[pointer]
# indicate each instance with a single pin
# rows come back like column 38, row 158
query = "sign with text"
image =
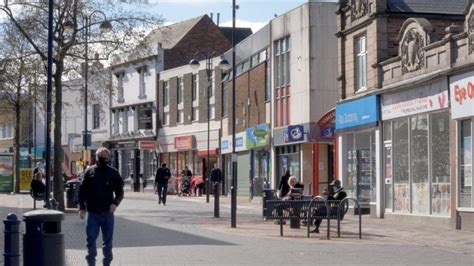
column 147, row 145
column 462, row 95
column 423, row 99
column 183, row 143
column 356, row 113
column 295, row 133
column 240, row 139
column 26, row 175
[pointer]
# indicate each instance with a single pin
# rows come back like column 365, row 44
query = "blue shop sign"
column 358, row 113
column 295, row 133
column 239, row 142
column 225, row 144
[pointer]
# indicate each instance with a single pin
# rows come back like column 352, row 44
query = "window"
column 194, row 88
column 145, row 114
column 224, row 100
column 419, row 162
column 401, row 198
column 165, row 93
column 212, row 111
column 268, row 83
column 96, row 116
column 195, row 114
column 166, row 118
column 125, row 121
column 282, row 82
column 465, row 165
column 180, row 90
column 180, row 116
column 119, row 77
column 141, row 86
column 6, row 131
column 211, row 86
column 361, row 63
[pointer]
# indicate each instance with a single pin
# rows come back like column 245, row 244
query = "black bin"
column 268, row 194
column 43, row 241
column 72, row 191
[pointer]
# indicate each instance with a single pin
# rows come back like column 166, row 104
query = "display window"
column 417, row 168
column 465, row 164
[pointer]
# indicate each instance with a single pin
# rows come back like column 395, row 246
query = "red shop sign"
column 147, row 145
column 183, row 143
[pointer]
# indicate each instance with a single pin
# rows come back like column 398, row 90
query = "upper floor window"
column 194, row 87
column 361, row 63
column 6, row 131
column 282, row 62
column 224, row 100
column 141, row 86
column 119, row 77
column 96, row 116
column 166, row 89
column 180, row 90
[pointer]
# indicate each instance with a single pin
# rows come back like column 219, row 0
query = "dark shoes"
column 315, row 230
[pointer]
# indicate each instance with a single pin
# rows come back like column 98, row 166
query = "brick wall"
column 159, row 103
column 205, row 36
column 250, row 99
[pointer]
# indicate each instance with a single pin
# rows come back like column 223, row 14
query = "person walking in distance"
column 162, row 176
column 216, row 177
column 100, row 193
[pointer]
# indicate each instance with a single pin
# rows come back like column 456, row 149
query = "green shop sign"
column 257, row 136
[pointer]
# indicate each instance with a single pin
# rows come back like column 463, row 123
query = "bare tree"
column 15, row 81
column 30, row 17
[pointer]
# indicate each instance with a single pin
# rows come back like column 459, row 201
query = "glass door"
column 388, row 175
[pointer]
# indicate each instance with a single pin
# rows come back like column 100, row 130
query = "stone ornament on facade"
column 359, row 8
column 412, row 53
column 470, row 31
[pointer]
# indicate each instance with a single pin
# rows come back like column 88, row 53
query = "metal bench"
column 310, row 210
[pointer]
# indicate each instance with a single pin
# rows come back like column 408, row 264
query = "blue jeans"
column 105, row 222
column 162, row 191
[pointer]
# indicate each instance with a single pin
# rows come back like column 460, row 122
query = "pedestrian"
column 216, row 178
column 162, row 176
column 100, row 193
column 38, row 186
column 284, row 187
column 186, row 176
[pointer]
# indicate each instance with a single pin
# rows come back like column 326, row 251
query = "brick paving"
column 185, row 233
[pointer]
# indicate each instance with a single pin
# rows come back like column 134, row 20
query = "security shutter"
column 243, row 173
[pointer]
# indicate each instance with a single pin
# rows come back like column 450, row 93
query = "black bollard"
column 216, row 200
column 11, row 252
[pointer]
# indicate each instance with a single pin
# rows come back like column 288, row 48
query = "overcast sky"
column 252, row 13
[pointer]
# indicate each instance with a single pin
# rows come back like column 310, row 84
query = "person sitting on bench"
column 37, row 184
column 339, row 194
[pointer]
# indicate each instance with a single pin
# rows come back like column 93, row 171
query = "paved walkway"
column 184, row 232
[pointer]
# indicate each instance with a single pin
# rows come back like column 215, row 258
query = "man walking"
column 100, row 193
column 216, row 175
column 162, row 176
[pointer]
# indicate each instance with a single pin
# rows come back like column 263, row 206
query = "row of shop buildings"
column 371, row 92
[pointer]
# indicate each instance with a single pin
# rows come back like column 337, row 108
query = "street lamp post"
column 105, row 26
column 224, row 64
column 233, row 202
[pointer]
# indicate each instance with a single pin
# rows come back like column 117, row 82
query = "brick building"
column 397, row 139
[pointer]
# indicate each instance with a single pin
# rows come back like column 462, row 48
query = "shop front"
column 178, row 151
column 293, row 152
column 358, row 150
column 243, row 164
column 462, row 111
column 323, row 137
column 416, row 151
column 258, row 139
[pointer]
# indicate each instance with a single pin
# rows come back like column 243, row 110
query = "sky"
column 251, row 13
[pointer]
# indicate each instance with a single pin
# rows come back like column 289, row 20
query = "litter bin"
column 72, row 190
column 43, row 241
column 268, row 194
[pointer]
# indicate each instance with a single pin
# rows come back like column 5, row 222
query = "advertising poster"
column 6, row 173
column 26, row 175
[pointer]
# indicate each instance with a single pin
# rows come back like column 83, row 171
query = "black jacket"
column 96, row 192
column 216, row 175
column 162, row 175
column 284, row 187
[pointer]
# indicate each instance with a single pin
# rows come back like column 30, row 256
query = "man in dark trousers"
column 162, row 176
column 100, row 193
column 216, row 175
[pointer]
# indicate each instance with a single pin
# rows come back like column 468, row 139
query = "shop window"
column 440, row 165
column 465, row 165
column 419, row 163
column 401, row 166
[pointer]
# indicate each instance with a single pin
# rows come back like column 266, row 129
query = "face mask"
column 102, row 162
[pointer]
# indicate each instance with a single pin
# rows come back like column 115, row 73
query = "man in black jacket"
column 100, row 193
column 162, row 176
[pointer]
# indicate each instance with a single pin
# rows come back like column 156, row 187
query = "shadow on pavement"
column 129, row 233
